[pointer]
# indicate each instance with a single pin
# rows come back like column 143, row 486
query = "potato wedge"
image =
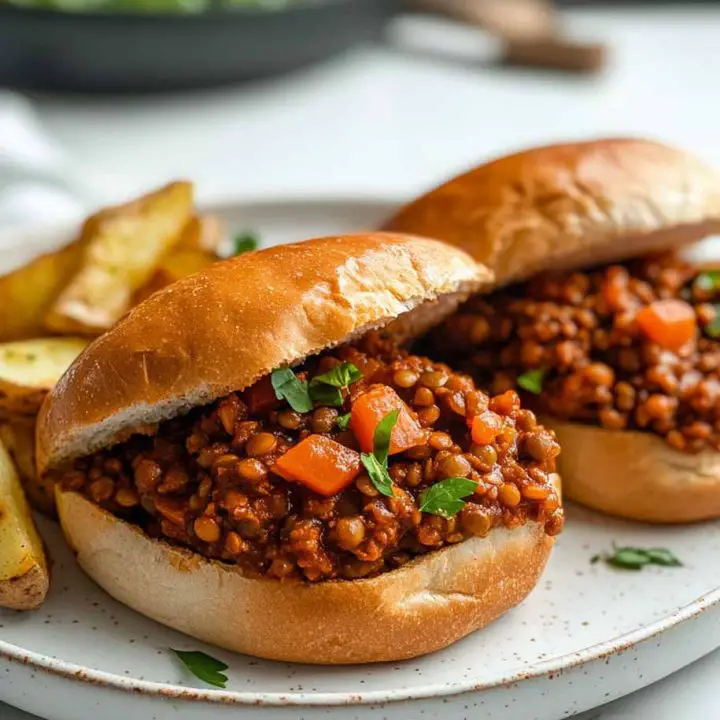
column 123, row 246
column 27, row 294
column 18, row 435
column 30, row 368
column 198, row 248
column 203, row 232
column 24, row 577
column 175, row 266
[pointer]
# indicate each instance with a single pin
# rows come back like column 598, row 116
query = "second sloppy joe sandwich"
column 598, row 319
column 251, row 457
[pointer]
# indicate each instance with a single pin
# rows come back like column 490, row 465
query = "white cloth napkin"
column 39, row 182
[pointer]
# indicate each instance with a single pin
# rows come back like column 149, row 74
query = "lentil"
column 601, row 364
column 206, row 480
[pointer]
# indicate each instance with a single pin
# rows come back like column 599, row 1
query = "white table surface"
column 392, row 120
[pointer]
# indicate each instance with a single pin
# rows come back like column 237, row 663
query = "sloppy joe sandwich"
column 598, row 319
column 251, row 457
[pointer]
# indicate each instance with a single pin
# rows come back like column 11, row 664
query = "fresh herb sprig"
column 376, row 462
column 203, row 666
column 343, row 422
column 288, row 386
column 326, row 389
column 245, row 242
column 532, row 380
column 445, row 498
column 712, row 329
column 323, row 389
column 709, row 281
column 633, row 558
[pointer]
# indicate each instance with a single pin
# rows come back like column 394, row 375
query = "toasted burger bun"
column 219, row 331
column 570, row 205
column 224, row 328
column 636, row 475
column 423, row 606
column 576, row 205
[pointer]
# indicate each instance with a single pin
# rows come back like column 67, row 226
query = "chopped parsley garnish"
column 245, row 242
column 344, row 421
column 712, row 329
column 203, row 666
column 325, row 389
column 376, row 462
column 445, row 498
column 288, row 386
column 631, row 558
column 532, row 380
column 708, row 281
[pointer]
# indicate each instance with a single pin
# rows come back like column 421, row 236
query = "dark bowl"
column 136, row 52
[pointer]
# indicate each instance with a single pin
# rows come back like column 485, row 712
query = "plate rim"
column 618, row 644
column 74, row 672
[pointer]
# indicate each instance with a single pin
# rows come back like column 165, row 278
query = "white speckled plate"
column 586, row 635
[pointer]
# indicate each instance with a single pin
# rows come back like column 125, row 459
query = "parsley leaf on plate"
column 203, row 666
column 632, row 558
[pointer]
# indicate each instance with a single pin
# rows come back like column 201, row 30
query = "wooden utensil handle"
column 556, row 53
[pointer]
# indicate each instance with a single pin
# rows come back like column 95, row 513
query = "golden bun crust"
column 570, row 205
column 636, row 475
column 223, row 328
column 421, row 607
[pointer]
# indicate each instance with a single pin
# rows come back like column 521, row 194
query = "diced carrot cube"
column 670, row 323
column 319, row 463
column 486, row 427
column 371, row 407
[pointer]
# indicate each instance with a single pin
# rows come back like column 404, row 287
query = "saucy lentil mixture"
column 629, row 345
column 287, row 494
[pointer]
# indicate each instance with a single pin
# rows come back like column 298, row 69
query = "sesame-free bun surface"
column 222, row 329
column 570, row 205
column 636, row 475
column 418, row 608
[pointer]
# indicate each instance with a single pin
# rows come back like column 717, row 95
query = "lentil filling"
column 629, row 345
column 230, row 480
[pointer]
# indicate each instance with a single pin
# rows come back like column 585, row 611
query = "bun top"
column 571, row 205
column 222, row 329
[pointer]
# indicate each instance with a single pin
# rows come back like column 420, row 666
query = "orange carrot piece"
column 371, row 407
column 486, row 427
column 319, row 463
column 669, row 323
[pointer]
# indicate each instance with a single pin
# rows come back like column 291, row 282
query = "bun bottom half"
column 418, row 608
column 636, row 475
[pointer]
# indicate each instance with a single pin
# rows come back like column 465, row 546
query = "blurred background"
column 100, row 99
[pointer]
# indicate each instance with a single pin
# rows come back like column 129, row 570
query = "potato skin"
column 24, row 576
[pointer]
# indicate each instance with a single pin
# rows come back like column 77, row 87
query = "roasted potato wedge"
column 198, row 247
column 24, row 577
column 122, row 248
column 204, row 233
column 18, row 435
column 27, row 294
column 175, row 266
column 30, row 368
